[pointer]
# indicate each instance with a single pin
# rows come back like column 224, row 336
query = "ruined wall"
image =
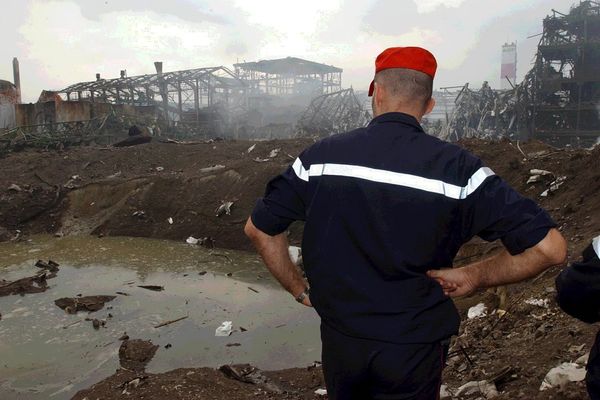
column 35, row 114
column 68, row 111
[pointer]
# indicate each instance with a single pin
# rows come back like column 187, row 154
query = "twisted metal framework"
column 290, row 75
column 54, row 135
column 565, row 81
column 181, row 94
column 333, row 113
column 559, row 99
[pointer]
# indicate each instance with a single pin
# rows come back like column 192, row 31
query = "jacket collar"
column 397, row 117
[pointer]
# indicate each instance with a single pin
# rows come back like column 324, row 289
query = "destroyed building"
column 263, row 99
column 564, row 84
column 559, row 99
column 280, row 91
column 200, row 100
column 333, row 113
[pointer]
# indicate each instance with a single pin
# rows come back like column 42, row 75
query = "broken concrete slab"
column 72, row 305
column 136, row 353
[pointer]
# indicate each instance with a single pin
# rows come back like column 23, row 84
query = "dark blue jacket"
column 382, row 205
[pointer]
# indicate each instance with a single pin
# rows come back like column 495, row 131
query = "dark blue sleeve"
column 496, row 211
column 282, row 204
column 578, row 288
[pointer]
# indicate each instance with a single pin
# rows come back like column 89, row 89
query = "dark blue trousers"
column 592, row 378
column 362, row 369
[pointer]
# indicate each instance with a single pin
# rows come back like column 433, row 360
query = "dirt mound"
column 137, row 191
column 204, row 383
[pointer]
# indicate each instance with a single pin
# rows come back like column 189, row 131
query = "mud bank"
column 157, row 190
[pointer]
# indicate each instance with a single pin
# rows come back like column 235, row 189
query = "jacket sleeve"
column 578, row 286
column 497, row 211
column 283, row 202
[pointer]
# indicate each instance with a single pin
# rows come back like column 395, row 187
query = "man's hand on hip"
column 455, row 281
column 503, row 268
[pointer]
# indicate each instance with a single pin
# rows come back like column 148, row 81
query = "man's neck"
column 418, row 114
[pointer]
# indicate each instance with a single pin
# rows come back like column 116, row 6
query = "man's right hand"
column 455, row 282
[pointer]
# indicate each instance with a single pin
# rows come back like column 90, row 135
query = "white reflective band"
column 596, row 245
column 299, row 170
column 394, row 178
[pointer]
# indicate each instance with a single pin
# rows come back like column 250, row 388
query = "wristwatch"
column 303, row 295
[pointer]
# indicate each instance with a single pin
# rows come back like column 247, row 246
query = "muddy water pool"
column 47, row 353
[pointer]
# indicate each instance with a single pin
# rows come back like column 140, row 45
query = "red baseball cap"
column 415, row 58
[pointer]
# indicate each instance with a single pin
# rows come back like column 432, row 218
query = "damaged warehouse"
column 198, row 100
column 263, row 99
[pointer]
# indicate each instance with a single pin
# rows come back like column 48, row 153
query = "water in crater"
column 47, row 353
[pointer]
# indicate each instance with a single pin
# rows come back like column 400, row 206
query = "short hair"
column 406, row 85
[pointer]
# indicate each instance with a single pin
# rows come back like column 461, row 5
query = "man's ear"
column 429, row 106
column 378, row 94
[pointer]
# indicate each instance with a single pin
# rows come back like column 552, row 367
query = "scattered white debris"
column 445, row 393
column 576, row 349
column 563, row 374
column 537, row 302
column 224, row 208
column 251, row 148
column 478, row 311
column 224, row 329
column 116, row 174
column 139, row 214
column 192, row 240
column 486, row 388
column 554, row 186
column 540, row 172
column 321, row 392
column 583, row 360
column 274, row 153
column 295, row 254
column 537, row 175
column 534, row 179
column 258, row 159
column 159, row 169
column 15, row 187
column 170, row 220
column 212, row 168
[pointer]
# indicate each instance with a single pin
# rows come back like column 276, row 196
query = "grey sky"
column 67, row 41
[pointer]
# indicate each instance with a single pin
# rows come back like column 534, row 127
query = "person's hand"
column 455, row 282
column 307, row 302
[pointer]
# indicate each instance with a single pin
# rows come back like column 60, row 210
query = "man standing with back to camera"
column 386, row 208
